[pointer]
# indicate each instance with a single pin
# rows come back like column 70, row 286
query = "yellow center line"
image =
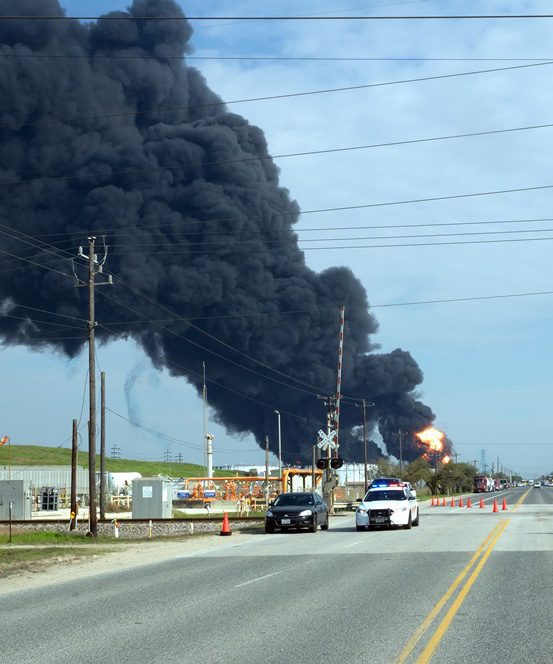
column 428, row 652
column 423, row 627
column 410, row 645
column 438, row 635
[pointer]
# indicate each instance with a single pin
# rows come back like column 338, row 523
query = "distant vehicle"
column 480, row 484
column 385, row 481
column 496, row 485
column 504, row 484
column 387, row 506
column 297, row 510
column 537, row 485
column 391, row 481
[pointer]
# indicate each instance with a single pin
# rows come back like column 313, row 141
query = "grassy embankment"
column 34, row 552
column 36, row 455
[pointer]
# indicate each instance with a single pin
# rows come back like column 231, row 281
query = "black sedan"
column 297, row 510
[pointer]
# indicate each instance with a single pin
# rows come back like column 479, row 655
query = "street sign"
column 326, row 440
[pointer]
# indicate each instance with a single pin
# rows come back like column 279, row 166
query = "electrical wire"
column 215, row 353
column 171, row 439
column 152, row 301
column 113, row 232
column 170, row 109
column 165, row 247
column 262, row 58
column 41, row 322
column 397, row 17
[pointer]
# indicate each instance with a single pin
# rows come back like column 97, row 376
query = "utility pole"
column 267, row 470
column 102, row 445
column 365, row 455
column 400, row 434
column 277, row 413
column 364, row 403
column 115, row 451
column 74, row 449
column 94, row 268
column 313, row 465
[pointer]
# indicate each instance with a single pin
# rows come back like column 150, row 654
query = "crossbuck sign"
column 326, row 440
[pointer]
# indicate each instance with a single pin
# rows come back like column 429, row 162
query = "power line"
column 114, row 231
column 289, row 95
column 45, row 267
column 41, row 322
column 240, row 241
column 45, row 311
column 262, row 58
column 423, row 17
column 250, row 314
column 311, row 392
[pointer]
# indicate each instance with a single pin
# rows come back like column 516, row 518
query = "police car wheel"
column 359, row 528
column 417, row 520
column 408, row 525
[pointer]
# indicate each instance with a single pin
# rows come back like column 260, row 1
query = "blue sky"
column 487, row 364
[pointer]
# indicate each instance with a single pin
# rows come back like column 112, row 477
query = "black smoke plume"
column 138, row 148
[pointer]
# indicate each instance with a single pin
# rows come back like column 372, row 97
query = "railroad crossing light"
column 336, row 463
column 322, row 464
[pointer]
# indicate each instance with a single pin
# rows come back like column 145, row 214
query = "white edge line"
column 259, row 578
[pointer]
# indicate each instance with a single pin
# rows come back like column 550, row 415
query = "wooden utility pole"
column 91, row 391
column 74, row 452
column 365, row 455
column 94, row 267
column 103, row 445
column 313, row 466
column 267, row 470
column 400, row 435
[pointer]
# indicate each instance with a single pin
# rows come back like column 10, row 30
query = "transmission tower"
column 483, row 464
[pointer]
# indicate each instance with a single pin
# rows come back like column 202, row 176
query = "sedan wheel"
column 269, row 529
column 417, row 520
column 408, row 525
column 324, row 526
column 360, row 528
column 313, row 526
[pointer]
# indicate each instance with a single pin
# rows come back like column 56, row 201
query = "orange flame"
column 432, row 437
column 446, row 459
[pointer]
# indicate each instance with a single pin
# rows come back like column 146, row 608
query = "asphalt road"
column 468, row 585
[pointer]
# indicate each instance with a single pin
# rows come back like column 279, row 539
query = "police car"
column 385, row 506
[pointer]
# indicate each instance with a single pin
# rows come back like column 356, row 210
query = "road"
column 468, row 585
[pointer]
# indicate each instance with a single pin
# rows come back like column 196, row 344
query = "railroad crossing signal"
column 326, row 440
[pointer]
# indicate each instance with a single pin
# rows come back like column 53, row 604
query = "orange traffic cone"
column 481, row 503
column 432, row 503
column 452, row 504
column 495, row 509
column 443, row 502
column 469, row 503
column 460, row 502
column 225, row 528
column 504, row 505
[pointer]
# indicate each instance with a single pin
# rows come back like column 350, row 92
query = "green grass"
column 47, row 537
column 36, row 455
column 17, row 560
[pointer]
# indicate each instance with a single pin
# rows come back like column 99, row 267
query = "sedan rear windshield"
column 393, row 494
column 294, row 499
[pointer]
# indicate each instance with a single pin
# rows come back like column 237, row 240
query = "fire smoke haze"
column 195, row 220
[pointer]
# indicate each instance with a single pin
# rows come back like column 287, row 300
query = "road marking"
column 352, row 544
column 259, row 578
column 438, row 635
column 410, row 645
column 442, row 628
